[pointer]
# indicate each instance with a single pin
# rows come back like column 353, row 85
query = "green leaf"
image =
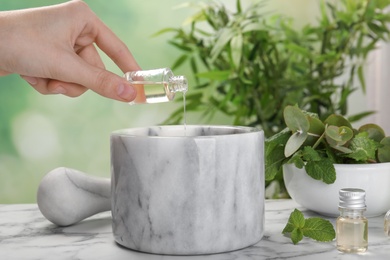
column 342, row 149
column 219, row 75
column 236, row 49
column 179, row 61
column 274, row 153
column 382, row 3
column 316, row 126
column 324, row 14
column 298, row 49
column 337, row 120
column 296, row 235
column 238, row 5
column 361, row 78
column 310, row 154
column 363, row 148
column 333, row 132
column 165, row 30
column 296, row 159
column 315, row 228
column 253, row 27
column 321, row 170
column 337, row 136
column 197, row 17
column 180, row 46
column 359, row 116
column 319, row 229
column 294, row 143
column 375, row 132
column 296, row 220
column 316, row 132
column 295, row 119
column 223, row 38
column 384, row 150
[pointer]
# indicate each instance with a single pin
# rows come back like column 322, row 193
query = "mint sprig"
column 315, row 228
column 321, row 170
column 363, row 148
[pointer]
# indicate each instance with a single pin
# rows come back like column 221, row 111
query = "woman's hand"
column 53, row 49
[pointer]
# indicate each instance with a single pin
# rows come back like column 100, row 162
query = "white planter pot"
column 323, row 198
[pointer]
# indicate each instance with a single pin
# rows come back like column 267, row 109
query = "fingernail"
column 126, row 92
column 59, row 90
column 31, row 80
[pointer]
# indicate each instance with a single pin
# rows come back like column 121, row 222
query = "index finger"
column 110, row 44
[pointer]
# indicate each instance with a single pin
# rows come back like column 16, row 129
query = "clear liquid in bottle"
column 156, row 86
column 352, row 235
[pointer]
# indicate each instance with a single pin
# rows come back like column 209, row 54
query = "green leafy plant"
column 249, row 65
column 315, row 228
column 317, row 145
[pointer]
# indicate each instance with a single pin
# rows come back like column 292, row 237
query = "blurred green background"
column 39, row 133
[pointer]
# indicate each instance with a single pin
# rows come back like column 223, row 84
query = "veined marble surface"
column 26, row 234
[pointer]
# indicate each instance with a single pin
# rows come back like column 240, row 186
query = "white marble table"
column 26, row 234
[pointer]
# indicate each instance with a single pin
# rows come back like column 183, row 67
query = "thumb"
column 98, row 80
column 110, row 85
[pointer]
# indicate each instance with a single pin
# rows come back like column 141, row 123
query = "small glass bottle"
column 155, row 86
column 351, row 225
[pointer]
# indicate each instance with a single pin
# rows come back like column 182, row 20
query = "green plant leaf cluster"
column 315, row 228
column 250, row 64
column 317, row 145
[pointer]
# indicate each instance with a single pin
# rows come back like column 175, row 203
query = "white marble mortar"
column 185, row 193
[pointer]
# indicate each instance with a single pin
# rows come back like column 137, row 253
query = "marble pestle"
column 66, row 196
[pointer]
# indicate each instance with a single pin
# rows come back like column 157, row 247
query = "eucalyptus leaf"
column 294, row 143
column 374, row 131
column 342, row 149
column 338, row 135
column 295, row 119
column 315, row 131
column 337, row 120
column 384, row 150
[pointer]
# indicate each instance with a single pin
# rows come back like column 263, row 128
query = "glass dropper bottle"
column 155, row 86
